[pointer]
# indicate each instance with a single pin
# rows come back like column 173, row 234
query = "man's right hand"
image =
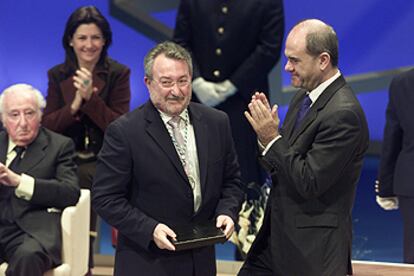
column 386, row 203
column 160, row 236
column 264, row 119
column 206, row 92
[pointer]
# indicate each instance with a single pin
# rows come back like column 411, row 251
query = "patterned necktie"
column 304, row 107
column 15, row 164
column 180, row 143
column 175, row 122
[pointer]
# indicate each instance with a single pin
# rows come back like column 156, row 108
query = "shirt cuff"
column 267, row 148
column 26, row 187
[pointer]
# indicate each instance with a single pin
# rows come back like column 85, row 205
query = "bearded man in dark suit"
column 37, row 180
column 315, row 161
column 149, row 180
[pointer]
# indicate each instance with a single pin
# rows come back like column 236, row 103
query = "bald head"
column 312, row 54
column 319, row 38
column 311, row 25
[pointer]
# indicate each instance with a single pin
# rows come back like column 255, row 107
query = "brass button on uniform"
column 220, row 30
column 218, row 51
column 216, row 73
column 224, row 9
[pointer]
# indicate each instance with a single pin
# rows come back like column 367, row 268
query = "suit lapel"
column 35, row 152
column 3, row 146
column 159, row 133
column 5, row 191
column 317, row 107
column 201, row 137
column 99, row 82
column 307, row 120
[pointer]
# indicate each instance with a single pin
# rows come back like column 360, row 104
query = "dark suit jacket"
column 50, row 160
column 110, row 102
column 250, row 43
column 315, row 170
column 140, row 182
column 396, row 171
column 244, row 53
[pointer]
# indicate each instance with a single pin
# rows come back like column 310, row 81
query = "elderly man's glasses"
column 169, row 83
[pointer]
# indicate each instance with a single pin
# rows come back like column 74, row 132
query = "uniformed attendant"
column 234, row 46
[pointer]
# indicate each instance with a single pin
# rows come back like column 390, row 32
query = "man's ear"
column 324, row 60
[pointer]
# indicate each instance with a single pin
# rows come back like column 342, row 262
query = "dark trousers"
column 406, row 205
column 86, row 173
column 24, row 255
column 259, row 259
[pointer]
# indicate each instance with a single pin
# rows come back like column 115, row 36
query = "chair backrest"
column 75, row 239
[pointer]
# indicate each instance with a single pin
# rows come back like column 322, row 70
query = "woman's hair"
column 85, row 15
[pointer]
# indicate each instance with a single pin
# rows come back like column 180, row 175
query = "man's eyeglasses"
column 168, row 83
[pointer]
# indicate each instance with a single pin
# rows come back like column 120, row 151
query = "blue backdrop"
column 373, row 35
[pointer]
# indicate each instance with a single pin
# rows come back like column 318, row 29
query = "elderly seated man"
column 37, row 180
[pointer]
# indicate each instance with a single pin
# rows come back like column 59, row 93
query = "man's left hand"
column 226, row 222
column 226, row 88
column 387, row 203
column 264, row 120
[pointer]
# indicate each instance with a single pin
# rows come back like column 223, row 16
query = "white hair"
column 23, row 87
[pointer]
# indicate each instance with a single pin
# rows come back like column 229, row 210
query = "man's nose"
column 175, row 89
column 22, row 120
column 288, row 66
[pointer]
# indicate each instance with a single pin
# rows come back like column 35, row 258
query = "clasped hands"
column 83, row 83
column 263, row 118
column 212, row 94
column 8, row 177
column 162, row 232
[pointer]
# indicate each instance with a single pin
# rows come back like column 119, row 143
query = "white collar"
column 11, row 146
column 166, row 118
column 315, row 93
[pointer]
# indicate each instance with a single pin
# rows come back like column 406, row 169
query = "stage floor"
column 361, row 268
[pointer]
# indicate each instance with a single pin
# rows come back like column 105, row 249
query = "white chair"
column 75, row 239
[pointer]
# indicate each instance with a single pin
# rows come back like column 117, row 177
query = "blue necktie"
column 304, row 107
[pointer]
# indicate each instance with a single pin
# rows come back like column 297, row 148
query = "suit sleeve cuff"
column 26, row 187
column 267, row 148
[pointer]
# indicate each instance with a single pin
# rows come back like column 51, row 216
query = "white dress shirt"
column 191, row 152
column 25, row 188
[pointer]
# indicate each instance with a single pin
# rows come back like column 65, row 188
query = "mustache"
column 175, row 98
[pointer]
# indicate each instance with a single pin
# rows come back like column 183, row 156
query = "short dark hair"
column 170, row 50
column 324, row 40
column 85, row 15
